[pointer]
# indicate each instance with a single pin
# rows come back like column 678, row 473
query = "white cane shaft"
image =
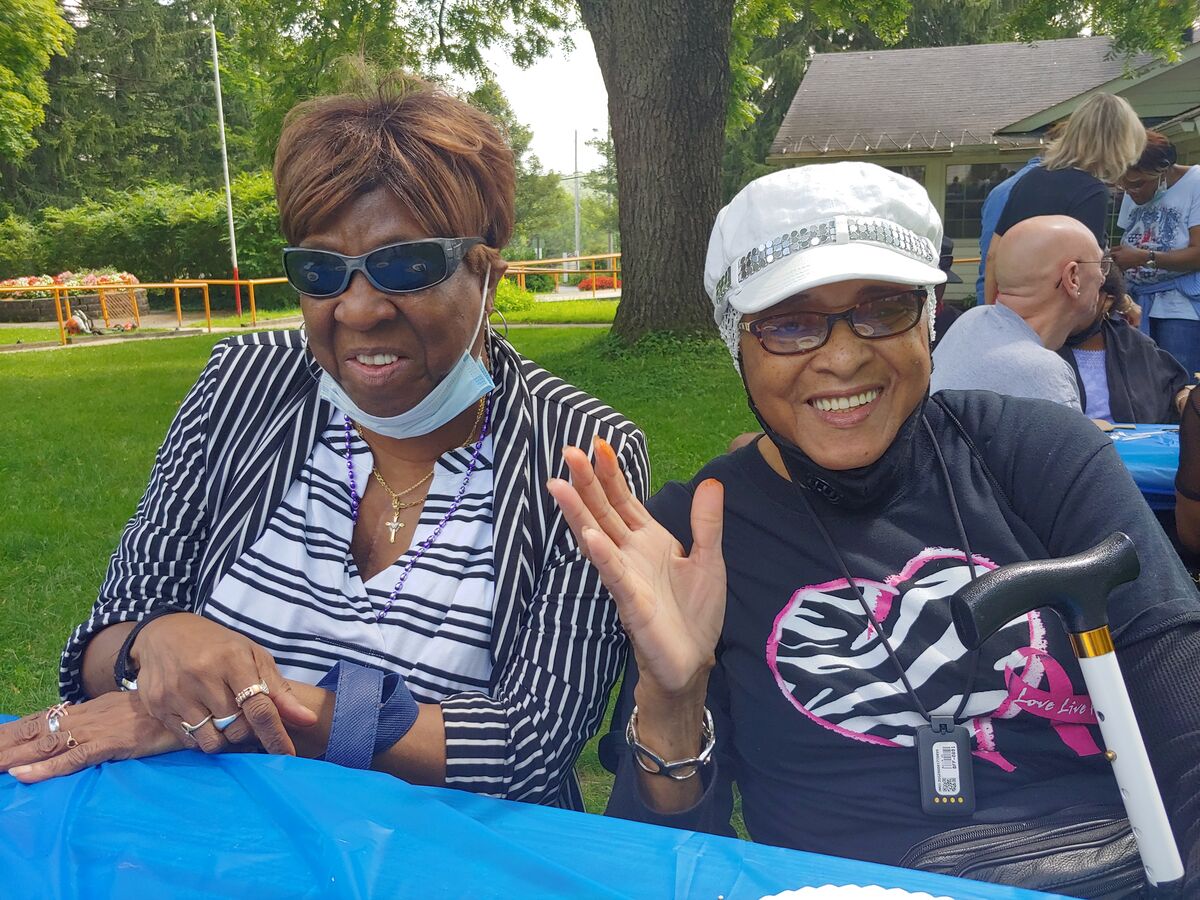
column 1139, row 790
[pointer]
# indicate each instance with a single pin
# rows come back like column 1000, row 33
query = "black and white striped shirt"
column 298, row 593
column 241, row 437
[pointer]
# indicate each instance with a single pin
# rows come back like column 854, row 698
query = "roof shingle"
column 927, row 98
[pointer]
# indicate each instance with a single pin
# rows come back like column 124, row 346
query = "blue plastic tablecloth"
column 1151, row 453
column 247, row 826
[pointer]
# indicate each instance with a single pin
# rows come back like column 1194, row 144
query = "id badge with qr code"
column 944, row 755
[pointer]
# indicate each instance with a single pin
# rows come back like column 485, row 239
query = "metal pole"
column 577, row 252
column 237, row 288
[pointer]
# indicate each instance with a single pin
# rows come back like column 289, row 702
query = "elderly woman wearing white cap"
column 788, row 607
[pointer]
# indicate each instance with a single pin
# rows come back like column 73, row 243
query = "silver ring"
column 188, row 729
column 53, row 714
column 225, row 721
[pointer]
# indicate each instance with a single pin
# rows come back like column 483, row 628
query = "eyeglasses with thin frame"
column 401, row 268
column 788, row 334
column 1105, row 263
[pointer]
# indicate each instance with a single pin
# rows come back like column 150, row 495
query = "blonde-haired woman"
column 1102, row 139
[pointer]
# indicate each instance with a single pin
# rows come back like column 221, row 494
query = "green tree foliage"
column 31, row 32
column 542, row 203
column 288, row 50
column 1136, row 26
column 159, row 232
column 131, row 103
column 602, row 209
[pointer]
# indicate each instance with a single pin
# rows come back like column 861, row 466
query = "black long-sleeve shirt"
column 812, row 722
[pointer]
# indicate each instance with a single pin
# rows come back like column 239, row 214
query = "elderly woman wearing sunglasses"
column 788, row 607
column 346, row 549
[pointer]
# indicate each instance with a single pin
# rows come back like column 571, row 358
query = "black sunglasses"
column 803, row 332
column 395, row 269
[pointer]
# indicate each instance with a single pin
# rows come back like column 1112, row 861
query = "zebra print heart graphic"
column 833, row 667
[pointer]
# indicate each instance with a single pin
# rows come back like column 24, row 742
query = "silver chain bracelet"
column 677, row 770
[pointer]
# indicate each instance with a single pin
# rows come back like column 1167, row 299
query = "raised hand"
column 672, row 604
column 190, row 668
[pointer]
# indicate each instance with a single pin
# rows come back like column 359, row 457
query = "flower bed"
column 64, row 279
column 38, row 306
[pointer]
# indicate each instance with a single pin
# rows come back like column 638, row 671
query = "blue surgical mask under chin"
column 465, row 384
column 1159, row 190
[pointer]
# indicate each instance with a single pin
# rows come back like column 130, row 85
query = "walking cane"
column 1077, row 588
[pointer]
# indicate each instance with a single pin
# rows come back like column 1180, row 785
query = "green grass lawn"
column 28, row 335
column 84, row 425
column 220, row 320
column 564, row 312
column 13, row 336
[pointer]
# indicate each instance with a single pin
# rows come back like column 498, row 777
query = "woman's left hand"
column 1126, row 257
column 114, row 726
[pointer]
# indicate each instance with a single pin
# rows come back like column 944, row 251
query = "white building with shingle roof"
column 962, row 119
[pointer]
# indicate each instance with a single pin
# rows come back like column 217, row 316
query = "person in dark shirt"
column 1122, row 375
column 774, row 600
column 946, row 314
column 1102, row 139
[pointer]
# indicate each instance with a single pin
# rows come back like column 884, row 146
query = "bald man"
column 1049, row 270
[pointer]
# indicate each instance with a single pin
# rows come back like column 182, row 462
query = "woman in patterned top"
column 352, row 516
column 1160, row 248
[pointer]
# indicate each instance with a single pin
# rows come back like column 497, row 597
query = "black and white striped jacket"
column 238, row 441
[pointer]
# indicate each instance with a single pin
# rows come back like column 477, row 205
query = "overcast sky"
column 556, row 96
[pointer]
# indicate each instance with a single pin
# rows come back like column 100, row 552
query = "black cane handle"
column 1076, row 587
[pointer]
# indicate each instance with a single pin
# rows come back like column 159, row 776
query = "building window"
column 916, row 173
column 966, row 189
column 1114, row 231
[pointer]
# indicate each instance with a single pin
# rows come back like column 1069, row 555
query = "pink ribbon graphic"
column 1068, row 712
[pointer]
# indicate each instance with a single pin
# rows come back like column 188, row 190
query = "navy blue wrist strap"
column 397, row 712
column 371, row 712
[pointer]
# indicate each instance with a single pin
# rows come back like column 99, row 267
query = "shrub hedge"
column 510, row 298
column 599, row 282
column 159, row 232
column 540, row 284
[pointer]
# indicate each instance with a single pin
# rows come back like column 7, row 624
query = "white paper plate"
column 853, row 892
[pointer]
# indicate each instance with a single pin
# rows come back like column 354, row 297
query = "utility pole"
column 577, row 253
column 237, row 288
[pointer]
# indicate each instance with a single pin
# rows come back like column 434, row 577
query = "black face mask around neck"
column 860, row 488
column 1087, row 334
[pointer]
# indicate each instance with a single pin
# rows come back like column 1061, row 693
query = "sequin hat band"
column 829, row 231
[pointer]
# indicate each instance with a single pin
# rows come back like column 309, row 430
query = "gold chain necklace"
column 397, row 503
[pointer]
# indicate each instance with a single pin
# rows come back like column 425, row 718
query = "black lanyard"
column 973, row 659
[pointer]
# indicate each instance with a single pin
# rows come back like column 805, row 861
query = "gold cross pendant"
column 394, row 526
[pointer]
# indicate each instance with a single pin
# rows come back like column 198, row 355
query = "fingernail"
column 20, row 770
column 606, row 448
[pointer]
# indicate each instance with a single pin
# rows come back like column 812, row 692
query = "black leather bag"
column 1080, row 853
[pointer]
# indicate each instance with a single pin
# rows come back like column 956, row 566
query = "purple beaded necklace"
column 433, row 536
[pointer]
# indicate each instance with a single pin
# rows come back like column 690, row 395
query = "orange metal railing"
column 62, row 299
column 518, row 269
column 250, row 282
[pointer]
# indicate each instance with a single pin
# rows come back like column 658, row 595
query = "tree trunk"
column 666, row 68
